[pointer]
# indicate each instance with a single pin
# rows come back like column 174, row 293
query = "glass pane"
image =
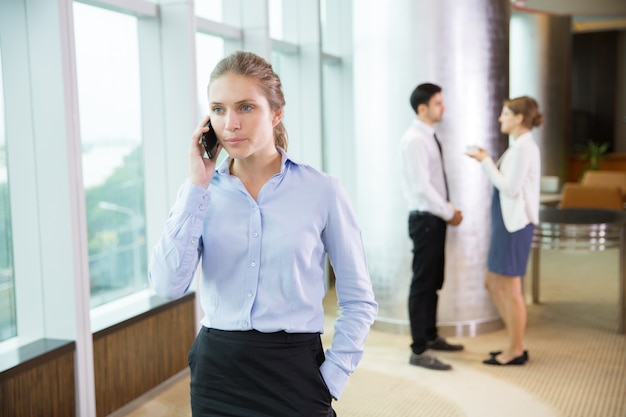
column 332, row 26
column 276, row 19
column 107, row 61
column 209, row 9
column 278, row 61
column 8, row 322
column 209, row 50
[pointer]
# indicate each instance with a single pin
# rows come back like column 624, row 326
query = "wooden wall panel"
column 42, row 389
column 612, row 162
column 137, row 355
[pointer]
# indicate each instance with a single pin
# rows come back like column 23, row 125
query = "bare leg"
column 515, row 307
column 496, row 292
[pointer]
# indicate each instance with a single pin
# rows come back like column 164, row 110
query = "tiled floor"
column 577, row 366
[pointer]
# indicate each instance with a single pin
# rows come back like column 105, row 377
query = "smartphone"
column 210, row 142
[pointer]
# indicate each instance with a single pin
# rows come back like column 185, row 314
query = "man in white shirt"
column 430, row 211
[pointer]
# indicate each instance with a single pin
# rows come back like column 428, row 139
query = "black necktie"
column 445, row 180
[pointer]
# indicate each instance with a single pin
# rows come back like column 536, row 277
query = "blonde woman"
column 261, row 224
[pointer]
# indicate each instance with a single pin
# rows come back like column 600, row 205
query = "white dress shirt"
column 423, row 180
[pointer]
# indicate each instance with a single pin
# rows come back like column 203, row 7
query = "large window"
column 110, row 122
column 126, row 95
column 8, row 326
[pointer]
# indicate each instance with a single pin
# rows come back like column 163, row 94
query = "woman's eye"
column 246, row 107
column 217, row 110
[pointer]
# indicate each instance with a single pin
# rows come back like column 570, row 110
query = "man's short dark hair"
column 422, row 94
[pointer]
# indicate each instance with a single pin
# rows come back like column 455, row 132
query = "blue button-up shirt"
column 263, row 261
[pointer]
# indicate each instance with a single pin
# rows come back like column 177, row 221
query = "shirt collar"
column 423, row 126
column 223, row 169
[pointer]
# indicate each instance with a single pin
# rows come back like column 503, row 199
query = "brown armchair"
column 607, row 178
column 577, row 195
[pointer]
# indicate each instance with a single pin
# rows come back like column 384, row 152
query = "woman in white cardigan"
column 514, row 213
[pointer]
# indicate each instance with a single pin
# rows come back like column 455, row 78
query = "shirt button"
column 253, row 264
column 205, row 198
column 255, row 234
column 201, row 207
column 245, row 324
column 194, row 240
column 249, row 293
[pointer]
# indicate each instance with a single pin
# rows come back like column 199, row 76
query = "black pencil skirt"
column 254, row 374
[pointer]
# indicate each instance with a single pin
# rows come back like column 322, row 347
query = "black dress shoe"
column 520, row 360
column 428, row 361
column 439, row 343
column 497, row 352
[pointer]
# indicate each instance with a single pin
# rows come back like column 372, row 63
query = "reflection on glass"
column 110, row 120
column 209, row 50
column 8, row 322
column 209, row 9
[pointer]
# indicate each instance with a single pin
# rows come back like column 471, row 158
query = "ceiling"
column 587, row 15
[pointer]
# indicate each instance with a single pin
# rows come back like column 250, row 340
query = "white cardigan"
column 518, row 181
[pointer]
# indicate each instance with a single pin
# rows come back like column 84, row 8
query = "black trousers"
column 428, row 233
column 254, row 374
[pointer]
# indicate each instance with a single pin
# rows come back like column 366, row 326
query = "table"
column 584, row 229
column 550, row 199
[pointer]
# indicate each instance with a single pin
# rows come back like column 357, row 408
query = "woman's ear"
column 278, row 116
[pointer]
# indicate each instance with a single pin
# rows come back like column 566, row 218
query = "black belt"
column 256, row 336
column 421, row 213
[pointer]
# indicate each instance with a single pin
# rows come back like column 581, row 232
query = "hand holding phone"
column 210, row 142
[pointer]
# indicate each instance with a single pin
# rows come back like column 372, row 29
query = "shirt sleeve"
column 418, row 168
column 177, row 253
column 344, row 245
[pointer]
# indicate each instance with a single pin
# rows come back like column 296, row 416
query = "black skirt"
column 249, row 373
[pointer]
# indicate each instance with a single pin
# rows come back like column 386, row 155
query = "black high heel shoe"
column 520, row 360
column 497, row 352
